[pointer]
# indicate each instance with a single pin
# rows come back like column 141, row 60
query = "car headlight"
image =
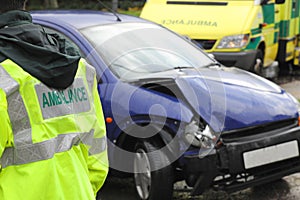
column 203, row 138
column 234, row 41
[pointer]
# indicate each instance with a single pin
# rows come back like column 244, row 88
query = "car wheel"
column 258, row 62
column 151, row 181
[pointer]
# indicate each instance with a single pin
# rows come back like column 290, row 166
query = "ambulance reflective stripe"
column 47, row 149
column 269, row 21
column 269, row 13
column 255, row 31
column 284, row 28
column 287, row 24
column 24, row 150
column 254, row 42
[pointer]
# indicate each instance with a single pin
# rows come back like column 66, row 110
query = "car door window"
column 70, row 45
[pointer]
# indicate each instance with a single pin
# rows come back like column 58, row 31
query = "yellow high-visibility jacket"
column 52, row 142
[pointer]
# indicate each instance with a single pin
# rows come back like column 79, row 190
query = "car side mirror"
column 99, row 79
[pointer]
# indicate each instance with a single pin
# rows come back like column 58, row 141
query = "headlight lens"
column 205, row 138
column 234, row 41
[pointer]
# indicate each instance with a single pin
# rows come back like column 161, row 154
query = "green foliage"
column 131, row 12
column 124, row 5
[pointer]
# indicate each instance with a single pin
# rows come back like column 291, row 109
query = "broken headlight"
column 200, row 137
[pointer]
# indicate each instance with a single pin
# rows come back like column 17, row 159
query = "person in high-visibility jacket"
column 52, row 131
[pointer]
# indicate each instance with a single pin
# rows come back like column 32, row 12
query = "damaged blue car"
column 174, row 113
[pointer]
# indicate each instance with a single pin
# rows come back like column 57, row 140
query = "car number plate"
column 270, row 154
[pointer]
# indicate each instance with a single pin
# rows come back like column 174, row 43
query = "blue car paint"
column 124, row 101
column 227, row 99
column 229, row 105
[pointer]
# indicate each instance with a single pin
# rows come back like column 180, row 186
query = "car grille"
column 252, row 132
column 206, row 44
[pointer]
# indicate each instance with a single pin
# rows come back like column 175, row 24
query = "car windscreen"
column 137, row 49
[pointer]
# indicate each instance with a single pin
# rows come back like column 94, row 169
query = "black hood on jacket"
column 46, row 57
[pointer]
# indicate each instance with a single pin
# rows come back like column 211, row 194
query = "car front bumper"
column 244, row 60
column 224, row 168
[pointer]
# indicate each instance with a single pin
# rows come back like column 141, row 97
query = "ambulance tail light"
column 234, row 41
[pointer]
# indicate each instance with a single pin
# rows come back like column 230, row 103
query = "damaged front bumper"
column 244, row 162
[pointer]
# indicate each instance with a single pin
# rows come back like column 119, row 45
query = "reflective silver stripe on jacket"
column 25, row 151
column 47, row 149
column 16, row 109
column 8, row 84
column 90, row 71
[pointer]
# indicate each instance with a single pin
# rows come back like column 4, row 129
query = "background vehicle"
column 255, row 35
column 174, row 113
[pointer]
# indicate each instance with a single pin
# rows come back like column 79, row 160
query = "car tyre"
column 152, row 184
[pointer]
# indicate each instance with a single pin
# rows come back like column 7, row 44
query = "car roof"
column 82, row 18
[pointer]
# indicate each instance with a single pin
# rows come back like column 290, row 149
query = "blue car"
column 174, row 113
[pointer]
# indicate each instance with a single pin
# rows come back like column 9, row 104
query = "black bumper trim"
column 228, row 160
column 243, row 60
column 234, row 151
column 266, row 178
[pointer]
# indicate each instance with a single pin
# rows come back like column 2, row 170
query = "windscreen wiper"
column 213, row 65
column 183, row 67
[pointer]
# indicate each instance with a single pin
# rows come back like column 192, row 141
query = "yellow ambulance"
column 256, row 35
